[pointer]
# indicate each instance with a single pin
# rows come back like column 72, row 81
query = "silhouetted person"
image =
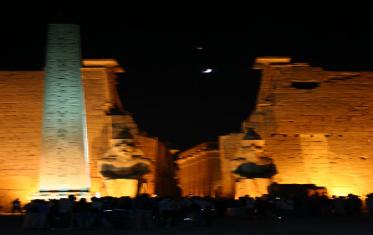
column 167, row 211
column 82, row 213
column 65, row 211
column 369, row 203
column 16, row 206
column 143, row 208
column 96, row 211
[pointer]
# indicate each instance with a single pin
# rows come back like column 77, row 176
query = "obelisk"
column 64, row 154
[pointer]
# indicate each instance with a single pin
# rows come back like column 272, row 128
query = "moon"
column 207, row 70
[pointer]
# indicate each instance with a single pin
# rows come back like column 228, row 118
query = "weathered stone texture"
column 199, row 170
column 21, row 102
column 21, row 108
column 98, row 123
column 150, row 147
column 165, row 180
column 318, row 126
column 229, row 146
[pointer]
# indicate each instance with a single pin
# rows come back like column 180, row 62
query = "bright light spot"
column 121, row 187
column 205, row 71
column 344, row 191
column 199, row 48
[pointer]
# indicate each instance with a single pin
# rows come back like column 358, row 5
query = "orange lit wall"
column 21, row 108
column 199, row 170
column 160, row 167
column 97, row 92
column 21, row 103
column 165, row 172
column 229, row 146
column 318, row 126
column 121, row 187
column 149, row 146
column 234, row 186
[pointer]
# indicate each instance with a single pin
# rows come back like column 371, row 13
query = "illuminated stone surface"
column 21, row 115
column 236, row 150
column 21, row 105
column 21, row 108
column 317, row 128
column 229, row 146
column 64, row 156
column 317, row 125
column 199, row 170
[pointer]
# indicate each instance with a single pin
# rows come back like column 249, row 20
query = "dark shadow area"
column 307, row 85
column 251, row 170
column 134, row 172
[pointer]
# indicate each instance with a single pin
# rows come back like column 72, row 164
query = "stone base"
column 47, row 195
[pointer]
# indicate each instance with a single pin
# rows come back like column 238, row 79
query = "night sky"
column 161, row 51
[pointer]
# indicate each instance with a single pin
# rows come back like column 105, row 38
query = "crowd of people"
column 141, row 212
column 144, row 212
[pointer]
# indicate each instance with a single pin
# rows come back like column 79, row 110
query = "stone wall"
column 236, row 150
column 149, row 146
column 229, row 146
column 318, row 126
column 96, row 92
column 199, row 170
column 21, row 105
column 21, row 110
column 165, row 170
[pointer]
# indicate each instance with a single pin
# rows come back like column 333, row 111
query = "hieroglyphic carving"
column 64, row 161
